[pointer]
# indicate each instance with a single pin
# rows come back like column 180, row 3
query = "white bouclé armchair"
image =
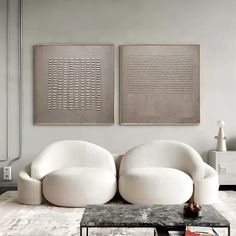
column 166, row 172
column 69, row 173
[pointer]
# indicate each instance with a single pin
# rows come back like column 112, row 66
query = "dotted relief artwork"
column 160, row 84
column 73, row 84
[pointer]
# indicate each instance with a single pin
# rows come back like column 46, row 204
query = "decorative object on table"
column 192, row 210
column 199, row 231
column 159, row 84
column 221, row 139
column 74, row 84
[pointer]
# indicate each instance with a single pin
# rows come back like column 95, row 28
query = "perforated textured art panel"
column 72, row 84
column 159, row 84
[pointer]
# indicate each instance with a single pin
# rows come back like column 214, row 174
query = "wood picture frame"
column 159, row 84
column 73, row 84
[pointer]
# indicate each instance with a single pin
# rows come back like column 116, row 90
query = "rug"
column 49, row 220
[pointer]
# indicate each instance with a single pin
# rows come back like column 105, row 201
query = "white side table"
column 225, row 165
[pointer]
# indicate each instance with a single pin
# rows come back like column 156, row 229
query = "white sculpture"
column 221, row 139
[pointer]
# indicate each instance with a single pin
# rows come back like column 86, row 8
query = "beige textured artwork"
column 159, row 84
column 73, row 84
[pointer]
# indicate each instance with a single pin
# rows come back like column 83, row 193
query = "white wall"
column 210, row 23
column 3, row 74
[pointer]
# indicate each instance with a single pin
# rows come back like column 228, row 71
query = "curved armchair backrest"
column 71, row 153
column 164, row 153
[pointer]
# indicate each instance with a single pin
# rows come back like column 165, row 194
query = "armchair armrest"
column 29, row 190
column 206, row 189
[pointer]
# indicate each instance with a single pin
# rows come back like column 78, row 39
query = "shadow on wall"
column 231, row 144
column 204, row 156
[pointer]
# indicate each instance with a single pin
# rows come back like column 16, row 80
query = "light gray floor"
column 48, row 220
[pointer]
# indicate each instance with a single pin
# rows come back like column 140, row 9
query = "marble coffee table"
column 158, row 217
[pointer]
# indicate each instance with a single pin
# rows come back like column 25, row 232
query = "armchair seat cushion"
column 79, row 186
column 155, row 185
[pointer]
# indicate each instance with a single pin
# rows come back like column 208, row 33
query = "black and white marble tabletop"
column 125, row 215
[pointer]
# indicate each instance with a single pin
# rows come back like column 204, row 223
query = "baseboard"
column 8, row 184
column 227, row 187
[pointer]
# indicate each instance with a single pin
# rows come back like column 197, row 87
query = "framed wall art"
column 159, row 84
column 74, row 84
